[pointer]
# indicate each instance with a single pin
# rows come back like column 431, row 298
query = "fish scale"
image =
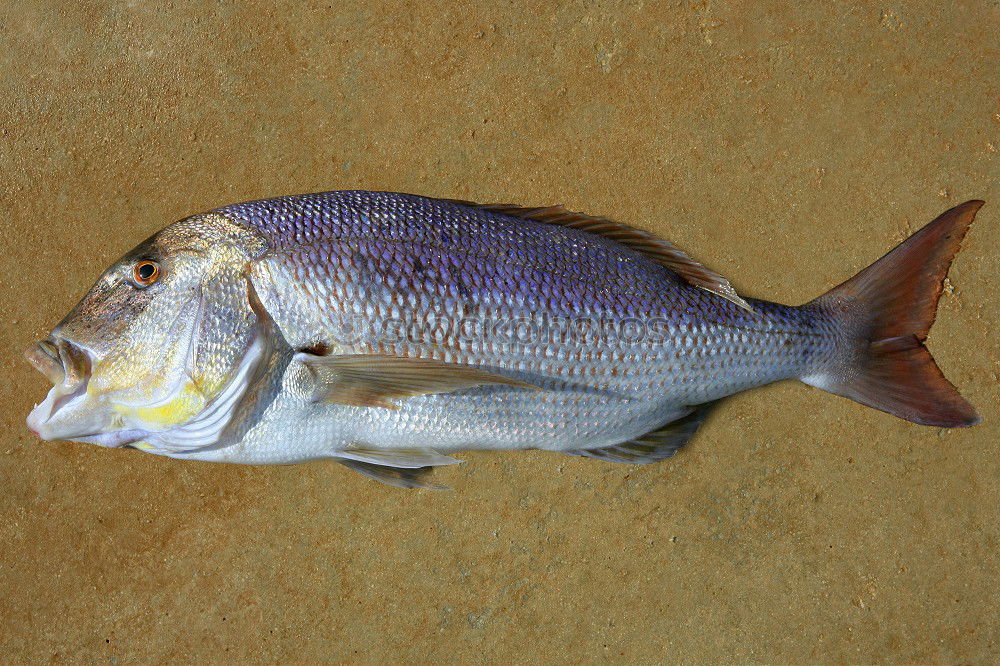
column 356, row 259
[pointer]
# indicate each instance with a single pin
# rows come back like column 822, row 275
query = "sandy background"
column 785, row 146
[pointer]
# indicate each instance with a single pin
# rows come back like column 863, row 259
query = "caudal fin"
column 887, row 309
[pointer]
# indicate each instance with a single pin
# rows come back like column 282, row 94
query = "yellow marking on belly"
column 188, row 402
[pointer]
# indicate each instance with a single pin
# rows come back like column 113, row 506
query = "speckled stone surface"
column 786, row 146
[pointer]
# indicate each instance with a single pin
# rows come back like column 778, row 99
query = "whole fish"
column 386, row 331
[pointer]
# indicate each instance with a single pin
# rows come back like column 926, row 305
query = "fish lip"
column 76, row 363
column 42, row 417
column 44, row 357
column 61, row 361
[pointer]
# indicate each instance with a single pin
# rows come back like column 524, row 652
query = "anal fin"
column 394, row 476
column 402, row 468
column 401, row 458
column 654, row 446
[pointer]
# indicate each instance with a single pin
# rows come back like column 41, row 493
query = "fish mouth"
column 68, row 366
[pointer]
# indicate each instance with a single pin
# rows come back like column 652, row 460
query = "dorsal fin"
column 657, row 249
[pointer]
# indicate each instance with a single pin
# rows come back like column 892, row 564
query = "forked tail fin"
column 887, row 309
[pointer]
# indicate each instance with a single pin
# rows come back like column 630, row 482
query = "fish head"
column 160, row 334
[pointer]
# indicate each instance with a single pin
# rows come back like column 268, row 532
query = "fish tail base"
column 884, row 313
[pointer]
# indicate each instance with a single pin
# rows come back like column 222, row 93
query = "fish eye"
column 146, row 273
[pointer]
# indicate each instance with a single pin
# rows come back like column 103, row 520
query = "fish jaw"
column 69, row 412
column 79, row 409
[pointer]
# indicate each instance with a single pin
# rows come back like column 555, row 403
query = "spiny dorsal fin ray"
column 657, row 249
column 653, row 446
column 372, row 380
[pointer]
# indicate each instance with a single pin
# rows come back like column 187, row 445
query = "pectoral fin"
column 368, row 380
column 653, row 446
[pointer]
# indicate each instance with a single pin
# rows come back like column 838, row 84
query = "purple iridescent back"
column 482, row 254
